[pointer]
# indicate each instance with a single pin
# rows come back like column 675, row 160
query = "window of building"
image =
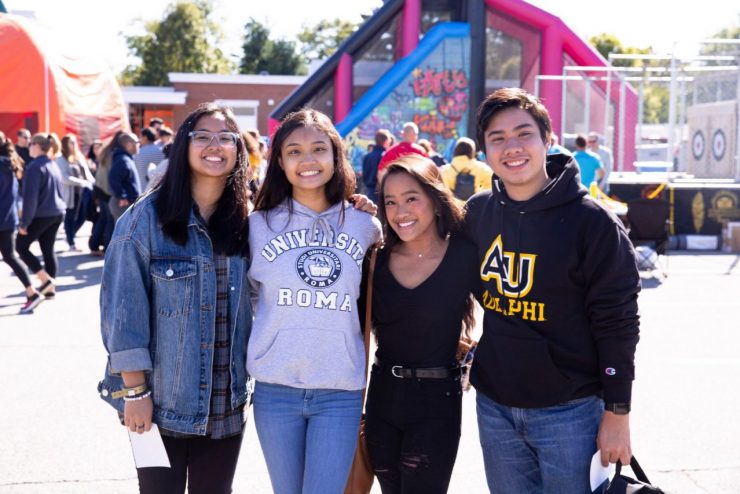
column 245, row 111
column 512, row 53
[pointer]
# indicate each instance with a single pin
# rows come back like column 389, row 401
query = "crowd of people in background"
column 44, row 179
column 101, row 184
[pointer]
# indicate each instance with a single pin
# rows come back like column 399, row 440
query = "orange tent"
column 45, row 90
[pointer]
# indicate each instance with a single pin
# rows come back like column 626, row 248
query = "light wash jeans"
column 539, row 450
column 308, row 436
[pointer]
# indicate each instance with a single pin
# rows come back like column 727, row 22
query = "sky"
column 99, row 25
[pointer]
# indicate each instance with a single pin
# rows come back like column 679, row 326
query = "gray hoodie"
column 305, row 272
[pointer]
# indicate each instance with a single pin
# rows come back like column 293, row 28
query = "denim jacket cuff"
column 134, row 359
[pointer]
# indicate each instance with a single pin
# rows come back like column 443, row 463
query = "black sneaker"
column 47, row 288
column 31, row 303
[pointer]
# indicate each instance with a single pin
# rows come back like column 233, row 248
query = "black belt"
column 419, row 372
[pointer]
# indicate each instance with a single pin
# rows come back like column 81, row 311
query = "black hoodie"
column 566, row 327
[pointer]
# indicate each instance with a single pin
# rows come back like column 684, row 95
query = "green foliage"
column 655, row 106
column 723, row 48
column 608, row 43
column 655, row 96
column 260, row 53
column 322, row 40
column 285, row 59
column 605, row 44
column 181, row 42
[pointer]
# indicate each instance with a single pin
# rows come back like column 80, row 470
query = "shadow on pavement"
column 75, row 270
column 650, row 281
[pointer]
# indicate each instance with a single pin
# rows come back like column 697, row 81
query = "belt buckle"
column 394, row 369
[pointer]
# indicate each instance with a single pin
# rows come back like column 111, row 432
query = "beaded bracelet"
column 136, row 390
column 140, row 396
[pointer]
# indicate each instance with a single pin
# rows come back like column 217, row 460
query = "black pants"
column 102, row 229
column 412, row 428
column 45, row 231
column 207, row 465
column 7, row 250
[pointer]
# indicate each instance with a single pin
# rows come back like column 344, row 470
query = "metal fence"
column 690, row 98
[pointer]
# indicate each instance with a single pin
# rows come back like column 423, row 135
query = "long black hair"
column 7, row 149
column 228, row 227
column 276, row 186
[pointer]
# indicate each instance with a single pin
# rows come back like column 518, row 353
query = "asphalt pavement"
column 59, row 437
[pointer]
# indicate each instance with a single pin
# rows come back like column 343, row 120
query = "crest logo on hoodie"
column 512, row 272
column 319, row 268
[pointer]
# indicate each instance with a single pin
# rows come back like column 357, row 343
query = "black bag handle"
column 639, row 472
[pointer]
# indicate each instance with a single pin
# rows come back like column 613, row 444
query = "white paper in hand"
column 149, row 449
column 600, row 473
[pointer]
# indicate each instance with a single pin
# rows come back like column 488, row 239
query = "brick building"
column 252, row 97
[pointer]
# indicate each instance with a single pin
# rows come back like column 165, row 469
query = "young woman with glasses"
column 175, row 309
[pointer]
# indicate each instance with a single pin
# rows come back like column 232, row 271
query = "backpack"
column 464, row 184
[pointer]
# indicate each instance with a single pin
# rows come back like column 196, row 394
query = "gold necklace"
column 422, row 254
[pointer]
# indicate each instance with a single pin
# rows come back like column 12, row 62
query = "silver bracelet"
column 145, row 394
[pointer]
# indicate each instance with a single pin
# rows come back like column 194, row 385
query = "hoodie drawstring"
column 320, row 227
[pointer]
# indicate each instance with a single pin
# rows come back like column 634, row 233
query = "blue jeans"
column 539, row 450
column 308, row 436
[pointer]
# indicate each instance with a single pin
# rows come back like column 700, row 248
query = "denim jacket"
column 157, row 306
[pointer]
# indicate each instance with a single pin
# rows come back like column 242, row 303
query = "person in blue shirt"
column 588, row 162
column 123, row 178
column 371, row 160
column 556, row 148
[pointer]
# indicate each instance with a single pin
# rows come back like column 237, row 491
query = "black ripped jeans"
column 412, row 428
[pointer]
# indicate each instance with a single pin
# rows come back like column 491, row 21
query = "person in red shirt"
column 407, row 146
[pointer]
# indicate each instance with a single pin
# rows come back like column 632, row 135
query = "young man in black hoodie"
column 554, row 367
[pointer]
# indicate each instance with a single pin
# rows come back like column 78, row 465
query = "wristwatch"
column 618, row 408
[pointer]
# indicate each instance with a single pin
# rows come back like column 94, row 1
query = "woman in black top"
column 421, row 301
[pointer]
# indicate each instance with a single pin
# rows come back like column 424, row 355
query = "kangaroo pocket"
column 308, row 358
column 519, row 371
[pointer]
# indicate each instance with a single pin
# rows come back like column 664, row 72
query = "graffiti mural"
column 434, row 96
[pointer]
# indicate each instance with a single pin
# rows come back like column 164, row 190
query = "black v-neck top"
column 420, row 327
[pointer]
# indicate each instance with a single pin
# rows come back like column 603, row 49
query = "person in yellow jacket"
column 465, row 175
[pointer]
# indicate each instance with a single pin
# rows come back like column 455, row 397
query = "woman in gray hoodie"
column 306, row 349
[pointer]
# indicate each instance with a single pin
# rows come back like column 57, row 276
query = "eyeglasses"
column 203, row 138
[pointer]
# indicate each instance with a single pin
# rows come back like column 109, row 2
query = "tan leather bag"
column 361, row 476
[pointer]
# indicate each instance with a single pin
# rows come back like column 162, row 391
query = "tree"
column 322, row 40
column 181, row 42
column 260, row 53
column 605, row 44
column 723, row 48
column 285, row 59
column 655, row 96
column 608, row 43
column 255, row 48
